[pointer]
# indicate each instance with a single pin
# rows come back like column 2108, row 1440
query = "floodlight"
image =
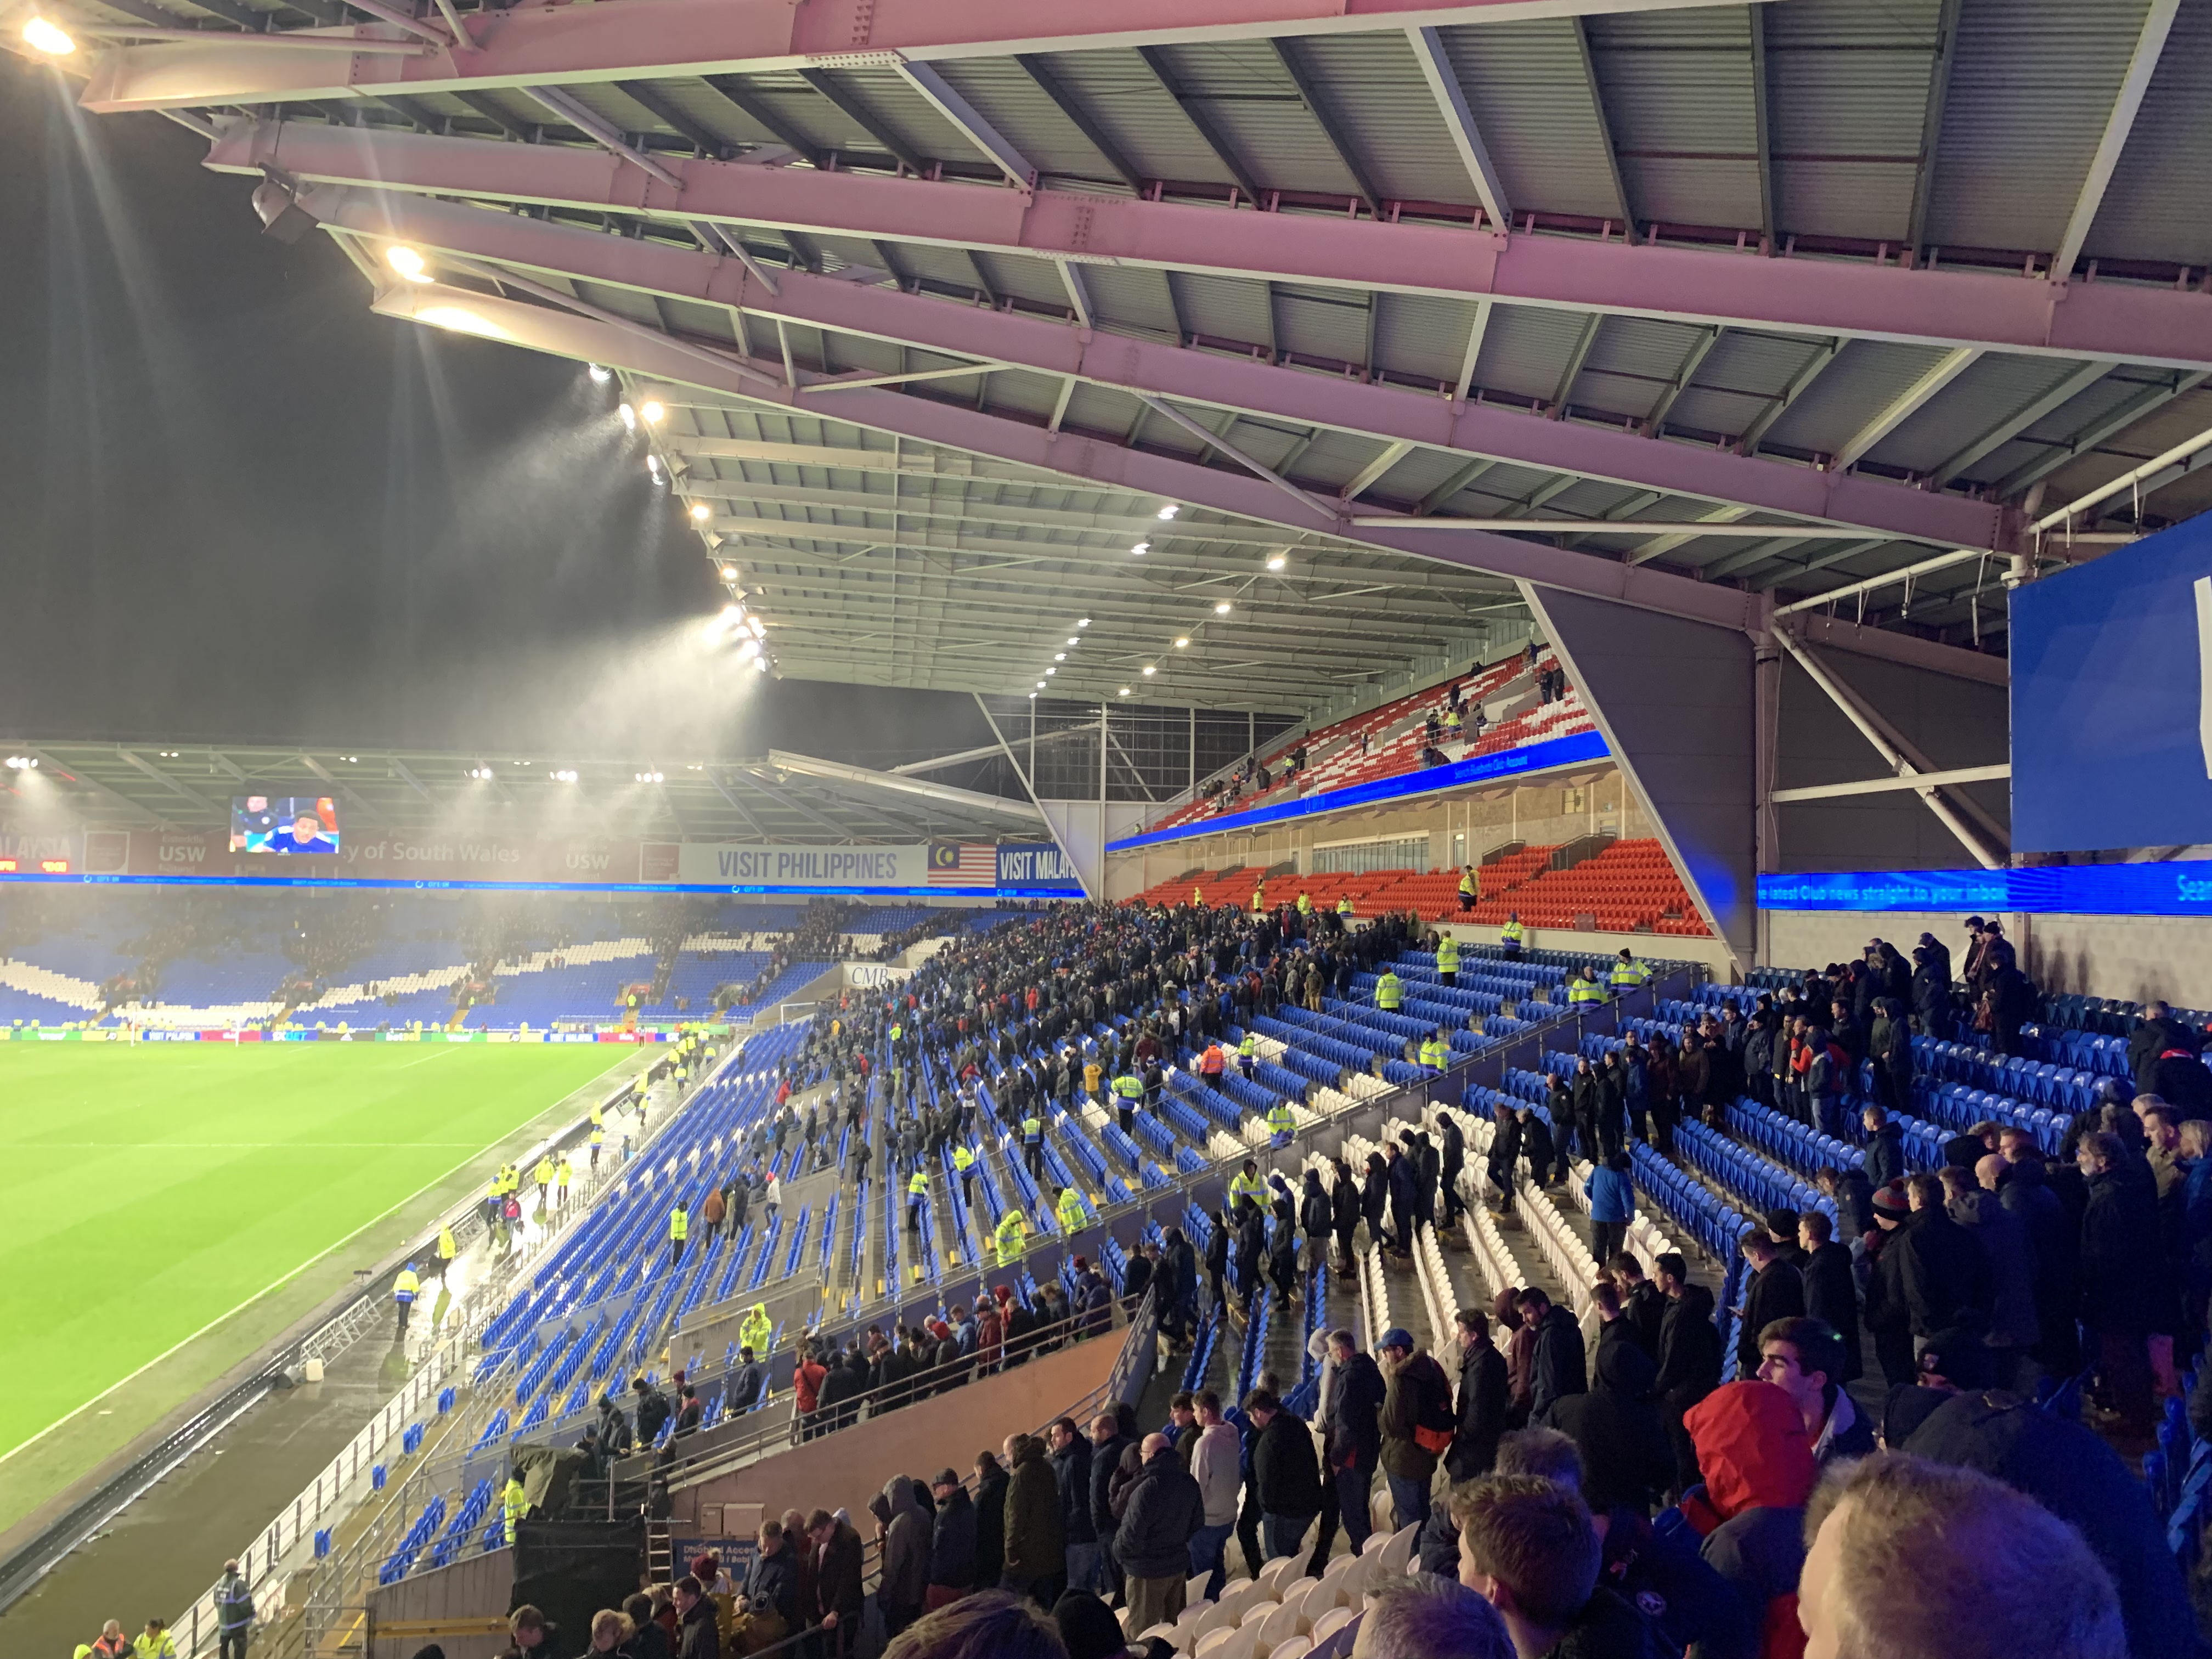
column 50, row 38
column 653, row 465
column 1052, row 670
column 1083, row 622
column 629, row 417
column 1072, row 639
column 1277, row 562
column 1183, row 645
column 280, row 217
column 1221, row 609
column 759, row 627
column 1040, row 685
column 747, row 649
column 729, row 572
column 599, row 374
column 1150, row 668
column 655, row 412
column 1032, row 696
column 1059, row 656
column 1123, row 692
column 1169, row 510
column 1142, row 547
column 408, row 261
column 700, row 512
column 760, row 662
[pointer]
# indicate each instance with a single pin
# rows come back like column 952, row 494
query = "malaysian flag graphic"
column 962, row 864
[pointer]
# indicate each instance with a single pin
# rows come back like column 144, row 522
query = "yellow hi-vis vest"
column 1435, row 1054
column 1032, row 1130
column 1129, row 1087
column 1468, row 884
column 1280, row 1121
column 1511, row 932
column 448, row 1248
column 680, row 1224
column 1198, row 897
column 598, row 1138
column 1388, row 992
column 598, row 1117
column 962, row 1159
column 514, row 1502
column 917, row 1185
column 1627, row 976
column 1073, row 1218
column 1447, row 954
column 1247, row 1046
column 1009, row 1238
column 1344, row 905
column 1259, row 902
column 404, row 1287
column 1305, row 905
column 1581, row 990
column 565, row 1172
column 1242, row 1186
column 756, row 1330
column 544, row 1172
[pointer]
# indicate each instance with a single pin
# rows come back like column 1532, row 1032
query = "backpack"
column 1434, row 1424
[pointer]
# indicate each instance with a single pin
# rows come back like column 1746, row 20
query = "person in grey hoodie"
column 906, row 1533
column 1217, row 1465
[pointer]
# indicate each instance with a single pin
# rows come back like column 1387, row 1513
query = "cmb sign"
column 2112, row 699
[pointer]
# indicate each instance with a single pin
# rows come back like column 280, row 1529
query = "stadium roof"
column 947, row 299
column 414, row 791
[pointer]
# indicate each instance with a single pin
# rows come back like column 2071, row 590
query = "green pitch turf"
column 150, row 1190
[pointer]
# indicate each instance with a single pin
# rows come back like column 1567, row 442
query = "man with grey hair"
column 1910, row 1560
column 1424, row 1617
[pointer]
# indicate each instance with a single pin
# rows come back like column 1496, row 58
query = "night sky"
column 235, row 505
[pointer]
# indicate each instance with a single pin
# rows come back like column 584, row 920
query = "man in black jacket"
column 1484, row 1397
column 1776, row 1291
column 1285, row 1472
column 1831, row 1293
column 1944, row 1275
column 1642, row 1302
column 651, row 1411
column 1452, row 1159
column 1885, row 1148
column 1164, row 1510
column 1107, row 1445
column 952, row 1542
column 1352, row 1426
column 1558, row 1369
column 1071, row 1468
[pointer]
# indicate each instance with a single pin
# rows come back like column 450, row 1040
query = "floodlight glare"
column 759, row 627
column 629, row 417
column 461, row 321
column 1150, row 668
column 1052, row 670
column 1123, row 692
column 1142, row 547
column 1083, row 622
column 600, row 374
column 1032, row 696
column 653, row 465
column 1221, row 609
column 1183, row 645
column 654, row 412
column 1277, row 562
column 1059, row 656
column 747, row 649
column 1072, row 639
column 1040, row 685
column 408, row 261
column 729, row 572
column 49, row 38
column 1169, row 510
column 700, row 512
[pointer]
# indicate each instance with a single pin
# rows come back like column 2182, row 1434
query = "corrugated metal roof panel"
column 1026, row 117
column 1678, row 95
column 1864, row 380
column 1375, row 90
column 1525, row 85
column 1980, row 398
column 2060, row 427
column 1100, row 408
column 1129, row 298
column 1739, row 379
column 1527, row 348
column 2183, row 417
column 1034, row 280
column 2155, row 207
column 1423, row 335
column 1251, row 100
column 1122, row 95
column 885, row 94
column 2031, row 88
column 1633, row 360
column 1225, row 308
column 1848, row 90
column 1322, row 322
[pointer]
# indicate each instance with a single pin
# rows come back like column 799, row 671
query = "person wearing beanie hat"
column 1087, row 1626
column 1888, row 1317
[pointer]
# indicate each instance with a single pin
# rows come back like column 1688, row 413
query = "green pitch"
column 150, row 1190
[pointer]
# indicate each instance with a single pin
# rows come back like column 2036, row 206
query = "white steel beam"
column 1885, row 786
column 1824, row 297
column 1155, row 372
column 2012, row 425
column 2157, row 22
column 1902, row 408
column 1368, row 476
column 947, row 100
column 1459, row 120
column 890, row 783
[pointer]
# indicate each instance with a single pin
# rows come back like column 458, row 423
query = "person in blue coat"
column 1613, row 1204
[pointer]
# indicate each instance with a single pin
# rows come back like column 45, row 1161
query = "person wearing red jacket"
column 1759, row 1469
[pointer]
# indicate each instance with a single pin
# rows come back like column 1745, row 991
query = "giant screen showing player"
column 284, row 824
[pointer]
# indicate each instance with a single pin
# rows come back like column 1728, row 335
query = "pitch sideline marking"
column 276, row 1285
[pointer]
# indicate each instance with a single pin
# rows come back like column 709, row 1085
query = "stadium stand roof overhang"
column 965, row 293
column 420, row 791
